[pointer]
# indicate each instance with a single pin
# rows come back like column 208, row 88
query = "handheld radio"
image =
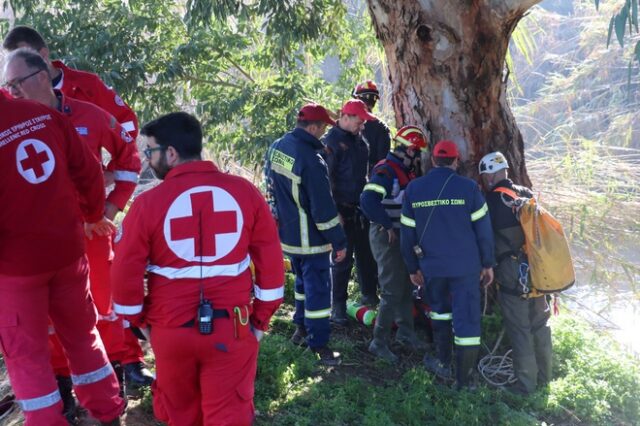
column 205, row 307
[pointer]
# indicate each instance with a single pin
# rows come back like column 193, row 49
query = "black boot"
column 137, row 374
column 466, row 363
column 119, row 371
column 69, row 405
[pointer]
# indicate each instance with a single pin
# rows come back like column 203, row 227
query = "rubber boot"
column 69, row 404
column 379, row 346
column 339, row 314
column 299, row 337
column 443, row 340
column 466, row 362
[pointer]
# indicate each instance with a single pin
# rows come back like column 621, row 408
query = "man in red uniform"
column 99, row 130
column 195, row 234
column 90, row 88
column 81, row 85
column 43, row 271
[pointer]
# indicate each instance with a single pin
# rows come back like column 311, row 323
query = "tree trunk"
column 446, row 66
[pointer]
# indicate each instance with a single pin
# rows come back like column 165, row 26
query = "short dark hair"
column 30, row 57
column 23, row 34
column 180, row 130
column 444, row 161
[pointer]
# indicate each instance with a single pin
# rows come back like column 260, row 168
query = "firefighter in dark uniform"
column 447, row 244
column 308, row 225
column 375, row 133
column 525, row 316
column 346, row 155
column 381, row 202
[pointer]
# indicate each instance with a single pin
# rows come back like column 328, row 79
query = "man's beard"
column 161, row 169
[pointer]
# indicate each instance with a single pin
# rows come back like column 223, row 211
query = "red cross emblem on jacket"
column 203, row 224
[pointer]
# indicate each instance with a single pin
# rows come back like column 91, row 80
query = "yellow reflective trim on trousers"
column 441, row 317
column 321, row 313
column 376, row 188
column 407, row 221
column 298, row 296
column 478, row 214
column 328, row 225
column 467, row 341
column 306, row 250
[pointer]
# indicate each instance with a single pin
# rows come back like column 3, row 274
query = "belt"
column 217, row 313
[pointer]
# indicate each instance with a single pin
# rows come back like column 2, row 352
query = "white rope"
column 497, row 370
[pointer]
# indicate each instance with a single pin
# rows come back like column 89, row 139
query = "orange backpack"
column 546, row 246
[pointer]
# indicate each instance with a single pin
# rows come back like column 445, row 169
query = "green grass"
column 594, row 383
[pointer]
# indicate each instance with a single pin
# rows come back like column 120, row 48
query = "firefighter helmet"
column 492, row 163
column 411, row 136
column 366, row 91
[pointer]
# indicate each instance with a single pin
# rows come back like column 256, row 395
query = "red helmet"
column 367, row 90
column 411, row 136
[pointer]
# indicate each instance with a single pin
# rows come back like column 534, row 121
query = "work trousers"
column 313, row 297
column 110, row 326
column 525, row 321
column 27, row 304
column 356, row 227
column 454, row 300
column 396, row 290
column 204, row 380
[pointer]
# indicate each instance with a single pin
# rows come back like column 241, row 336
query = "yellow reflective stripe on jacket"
column 298, row 296
column 376, row 188
column 321, row 313
column 290, row 175
column 328, row 225
column 467, row 341
column 479, row 213
column 441, row 317
column 306, row 250
column 407, row 221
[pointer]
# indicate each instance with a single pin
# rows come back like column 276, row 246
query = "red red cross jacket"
column 100, row 129
column 198, row 222
column 43, row 166
column 88, row 87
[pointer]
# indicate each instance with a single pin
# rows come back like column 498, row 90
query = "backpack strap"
column 403, row 178
column 510, row 192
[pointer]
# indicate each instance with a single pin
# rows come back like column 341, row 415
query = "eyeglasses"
column 18, row 81
column 147, row 152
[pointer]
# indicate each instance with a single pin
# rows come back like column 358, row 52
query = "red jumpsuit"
column 99, row 130
column 43, row 270
column 88, row 87
column 200, row 222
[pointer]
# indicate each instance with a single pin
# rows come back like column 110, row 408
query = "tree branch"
column 211, row 82
column 510, row 6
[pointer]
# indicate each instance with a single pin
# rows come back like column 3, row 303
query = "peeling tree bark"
column 446, row 66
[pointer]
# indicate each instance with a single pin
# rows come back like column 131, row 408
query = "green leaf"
column 620, row 22
column 634, row 13
column 597, row 4
column 611, row 22
column 636, row 52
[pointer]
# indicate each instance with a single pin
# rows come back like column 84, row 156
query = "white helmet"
column 492, row 163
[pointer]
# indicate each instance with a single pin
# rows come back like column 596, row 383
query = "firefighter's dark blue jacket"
column 347, row 157
column 307, row 217
column 458, row 239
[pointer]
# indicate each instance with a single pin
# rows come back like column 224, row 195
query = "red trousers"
column 27, row 304
column 204, row 380
column 110, row 326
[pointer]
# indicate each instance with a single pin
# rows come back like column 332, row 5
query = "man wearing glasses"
column 51, row 185
column 88, row 87
column 27, row 77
